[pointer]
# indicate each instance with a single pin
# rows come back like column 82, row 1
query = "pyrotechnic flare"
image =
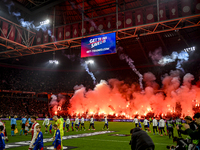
column 85, row 65
column 57, row 102
column 54, row 103
column 130, row 63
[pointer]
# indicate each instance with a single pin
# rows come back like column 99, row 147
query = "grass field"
column 96, row 142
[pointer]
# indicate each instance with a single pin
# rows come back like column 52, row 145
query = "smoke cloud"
column 158, row 59
column 57, row 102
column 26, row 24
column 156, row 55
column 149, row 79
column 116, row 97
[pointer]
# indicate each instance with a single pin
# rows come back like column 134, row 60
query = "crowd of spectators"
column 64, row 81
column 33, row 80
column 10, row 106
column 54, row 81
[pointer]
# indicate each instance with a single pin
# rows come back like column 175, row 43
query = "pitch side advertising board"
column 98, row 45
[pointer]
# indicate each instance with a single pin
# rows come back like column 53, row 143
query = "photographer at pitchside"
column 140, row 140
column 195, row 135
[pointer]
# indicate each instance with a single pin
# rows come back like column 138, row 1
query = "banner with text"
column 98, row 45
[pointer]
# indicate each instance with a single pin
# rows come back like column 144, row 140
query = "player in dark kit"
column 57, row 140
column 170, row 125
column 50, row 127
column 72, row 126
column 179, row 124
column 2, row 125
column 2, row 142
column 39, row 140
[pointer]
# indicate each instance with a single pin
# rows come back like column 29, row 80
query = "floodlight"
column 53, row 62
column 190, row 49
column 45, row 22
column 56, row 62
column 89, row 62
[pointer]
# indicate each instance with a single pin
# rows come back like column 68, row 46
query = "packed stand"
column 21, row 107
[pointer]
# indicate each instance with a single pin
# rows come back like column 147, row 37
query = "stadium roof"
column 171, row 34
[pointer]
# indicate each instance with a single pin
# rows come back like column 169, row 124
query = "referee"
column 23, row 125
column 13, row 124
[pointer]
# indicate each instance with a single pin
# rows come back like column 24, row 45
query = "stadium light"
column 53, row 61
column 45, row 22
column 190, row 49
column 89, row 62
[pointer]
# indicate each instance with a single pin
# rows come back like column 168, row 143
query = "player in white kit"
column 82, row 123
column 46, row 123
column 161, row 126
column 106, row 123
column 136, row 122
column 155, row 126
column 91, row 123
column 67, row 123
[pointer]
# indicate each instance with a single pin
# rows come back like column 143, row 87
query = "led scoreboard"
column 98, row 45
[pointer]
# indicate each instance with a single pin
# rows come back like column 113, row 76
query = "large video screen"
column 98, row 45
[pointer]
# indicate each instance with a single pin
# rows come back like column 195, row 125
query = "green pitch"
column 96, row 142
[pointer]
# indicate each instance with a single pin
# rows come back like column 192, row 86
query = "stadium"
column 99, row 74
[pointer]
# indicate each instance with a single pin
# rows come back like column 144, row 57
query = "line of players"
column 26, row 124
column 79, row 125
column 159, row 126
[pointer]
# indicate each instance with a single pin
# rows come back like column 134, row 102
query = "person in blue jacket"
column 50, row 128
column 38, row 145
column 72, row 126
column 140, row 125
column 57, row 140
column 2, row 142
column 64, row 125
